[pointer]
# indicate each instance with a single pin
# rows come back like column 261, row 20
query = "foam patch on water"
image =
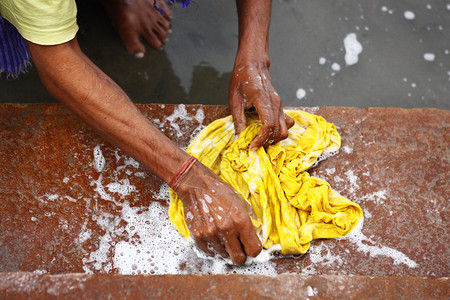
column 429, row 56
column 409, row 15
column 352, row 49
column 300, row 94
column 335, row 67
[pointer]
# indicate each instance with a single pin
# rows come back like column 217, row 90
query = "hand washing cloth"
column 291, row 207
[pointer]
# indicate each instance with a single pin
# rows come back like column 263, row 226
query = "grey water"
column 405, row 61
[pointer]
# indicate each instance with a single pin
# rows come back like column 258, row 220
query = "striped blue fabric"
column 14, row 54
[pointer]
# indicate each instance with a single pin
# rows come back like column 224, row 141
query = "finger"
column 198, row 237
column 247, row 235
column 262, row 138
column 234, row 249
column 238, row 113
column 250, row 241
column 217, row 246
column 210, row 237
column 289, row 121
column 202, row 245
column 283, row 129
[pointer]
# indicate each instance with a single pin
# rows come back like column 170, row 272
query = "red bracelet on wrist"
column 184, row 169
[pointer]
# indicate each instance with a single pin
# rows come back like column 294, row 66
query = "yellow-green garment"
column 292, row 208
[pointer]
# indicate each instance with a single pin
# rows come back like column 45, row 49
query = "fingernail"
column 139, row 55
column 169, row 31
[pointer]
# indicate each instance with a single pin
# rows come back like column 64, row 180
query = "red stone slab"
column 102, row 286
column 393, row 162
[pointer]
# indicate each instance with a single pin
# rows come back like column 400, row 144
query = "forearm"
column 254, row 22
column 75, row 81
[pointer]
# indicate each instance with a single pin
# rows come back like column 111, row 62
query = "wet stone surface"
column 73, row 203
column 82, row 286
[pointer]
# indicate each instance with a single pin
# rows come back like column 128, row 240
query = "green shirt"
column 43, row 22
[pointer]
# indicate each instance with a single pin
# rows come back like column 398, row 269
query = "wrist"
column 246, row 60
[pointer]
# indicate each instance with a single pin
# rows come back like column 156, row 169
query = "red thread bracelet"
column 187, row 165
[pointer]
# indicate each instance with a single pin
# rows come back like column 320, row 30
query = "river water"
column 396, row 53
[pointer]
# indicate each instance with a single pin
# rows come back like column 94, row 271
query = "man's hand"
column 217, row 216
column 136, row 18
column 251, row 86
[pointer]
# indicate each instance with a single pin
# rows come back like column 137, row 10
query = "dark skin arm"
column 222, row 224
column 251, row 85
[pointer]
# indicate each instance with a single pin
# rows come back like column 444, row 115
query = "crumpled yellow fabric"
column 292, row 208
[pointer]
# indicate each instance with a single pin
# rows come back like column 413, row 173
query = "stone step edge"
column 231, row 286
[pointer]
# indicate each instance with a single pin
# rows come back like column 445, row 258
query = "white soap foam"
column 330, row 171
column 100, row 189
column 163, row 193
column 429, row 56
column 360, row 240
column 320, row 254
column 353, row 179
column 199, row 117
column 154, row 246
column 377, row 197
column 164, row 251
column 352, row 49
column 84, row 236
column 123, row 187
column 347, row 149
column 140, row 175
column 409, row 15
column 70, row 199
column 322, row 60
column 99, row 159
column 311, row 291
column 98, row 259
column 300, row 94
column 179, row 115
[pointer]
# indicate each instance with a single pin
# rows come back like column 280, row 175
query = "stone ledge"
column 394, row 162
column 102, row 286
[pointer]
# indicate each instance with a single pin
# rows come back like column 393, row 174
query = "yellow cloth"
column 292, row 208
column 43, row 22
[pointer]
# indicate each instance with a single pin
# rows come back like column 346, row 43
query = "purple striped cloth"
column 14, row 54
